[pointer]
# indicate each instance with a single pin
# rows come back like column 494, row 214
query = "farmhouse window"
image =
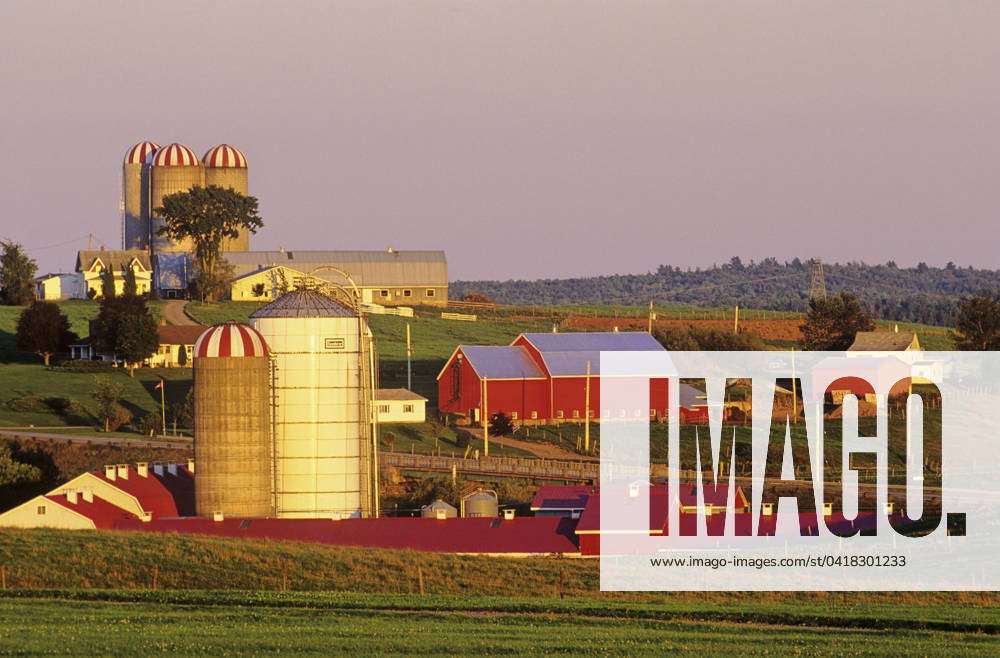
column 407, row 293
column 407, row 408
column 41, row 509
column 383, row 293
column 430, row 292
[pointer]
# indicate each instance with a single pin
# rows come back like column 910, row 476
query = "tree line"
column 925, row 294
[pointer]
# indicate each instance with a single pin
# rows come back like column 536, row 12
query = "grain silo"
column 480, row 503
column 174, row 168
column 325, row 462
column 232, row 423
column 226, row 166
column 135, row 227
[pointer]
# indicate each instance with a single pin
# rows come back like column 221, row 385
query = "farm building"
column 885, row 341
column 387, row 278
column 90, row 264
column 57, row 287
column 542, row 377
column 399, row 405
column 176, row 345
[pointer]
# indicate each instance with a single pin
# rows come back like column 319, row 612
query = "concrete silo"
column 174, row 168
column 135, row 225
column 480, row 503
column 325, row 462
column 232, row 423
column 226, row 166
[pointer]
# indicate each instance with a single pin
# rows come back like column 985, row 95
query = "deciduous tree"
column 43, row 329
column 977, row 326
column 16, row 273
column 831, row 324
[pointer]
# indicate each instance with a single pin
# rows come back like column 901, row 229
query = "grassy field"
column 420, row 438
column 84, row 593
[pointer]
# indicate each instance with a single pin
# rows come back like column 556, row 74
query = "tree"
column 130, row 286
column 108, row 283
column 125, row 329
column 501, row 424
column 13, row 472
column 205, row 216
column 107, row 392
column 16, row 273
column 693, row 339
column 832, row 323
column 477, row 297
column 977, row 326
column 43, row 329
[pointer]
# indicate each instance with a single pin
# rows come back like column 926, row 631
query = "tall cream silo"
column 135, row 228
column 323, row 423
column 226, row 166
column 174, row 168
column 232, row 423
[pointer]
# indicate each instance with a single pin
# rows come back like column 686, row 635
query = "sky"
column 532, row 138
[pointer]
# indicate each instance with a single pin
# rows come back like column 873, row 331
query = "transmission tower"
column 817, row 283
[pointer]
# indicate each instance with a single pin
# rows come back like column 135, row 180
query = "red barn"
column 540, row 376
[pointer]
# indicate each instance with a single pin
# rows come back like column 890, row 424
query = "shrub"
column 86, row 366
column 29, row 404
column 117, row 416
column 148, row 424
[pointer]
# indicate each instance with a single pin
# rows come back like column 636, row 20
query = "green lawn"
column 166, row 622
column 420, row 438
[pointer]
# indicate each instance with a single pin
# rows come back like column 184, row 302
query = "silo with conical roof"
column 226, row 167
column 174, row 168
column 135, row 228
column 325, row 462
column 232, row 422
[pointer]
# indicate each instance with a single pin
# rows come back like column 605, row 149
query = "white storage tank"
column 323, row 422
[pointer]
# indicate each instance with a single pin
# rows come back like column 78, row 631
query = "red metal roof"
column 140, row 152
column 174, row 155
column 165, row 495
column 532, row 535
column 224, row 155
column 230, row 339
column 101, row 512
column 562, row 498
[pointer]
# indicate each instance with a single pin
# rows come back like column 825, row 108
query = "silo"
column 135, row 228
column 325, row 465
column 232, row 423
column 438, row 510
column 481, row 503
column 174, row 168
column 226, row 166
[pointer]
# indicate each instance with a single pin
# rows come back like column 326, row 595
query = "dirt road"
column 174, row 313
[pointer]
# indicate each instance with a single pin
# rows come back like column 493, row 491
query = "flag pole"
column 163, row 406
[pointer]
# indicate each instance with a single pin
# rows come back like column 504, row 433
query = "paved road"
column 166, row 442
column 174, row 312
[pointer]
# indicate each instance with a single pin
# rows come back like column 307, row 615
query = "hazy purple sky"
column 526, row 138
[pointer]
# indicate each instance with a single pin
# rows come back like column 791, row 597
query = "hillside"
column 920, row 294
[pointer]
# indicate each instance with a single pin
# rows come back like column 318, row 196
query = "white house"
column 399, row 405
column 60, row 286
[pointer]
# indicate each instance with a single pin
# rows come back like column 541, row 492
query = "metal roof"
column 597, row 341
column 397, row 395
column 304, row 304
column 506, row 362
column 367, row 268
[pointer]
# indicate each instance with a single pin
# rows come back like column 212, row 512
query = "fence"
column 505, row 466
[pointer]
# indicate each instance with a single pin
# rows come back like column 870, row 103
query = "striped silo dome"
column 224, row 155
column 230, row 339
column 138, row 153
column 175, row 155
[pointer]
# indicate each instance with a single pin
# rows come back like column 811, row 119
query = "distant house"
column 58, row 287
column 91, row 264
column 176, row 345
column 399, row 405
column 885, row 341
column 387, row 278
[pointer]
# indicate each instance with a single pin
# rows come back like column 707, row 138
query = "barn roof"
column 562, row 497
column 884, row 341
column 101, row 512
column 593, row 341
column 501, row 362
column 163, row 495
column 367, row 268
column 521, row 535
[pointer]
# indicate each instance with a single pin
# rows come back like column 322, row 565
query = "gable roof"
column 884, row 341
column 500, row 362
column 367, row 268
column 397, row 395
column 561, row 498
column 164, row 495
column 101, row 512
column 112, row 258
column 593, row 341
column 178, row 334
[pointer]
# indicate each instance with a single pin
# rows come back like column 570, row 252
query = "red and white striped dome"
column 138, row 153
column 175, row 155
column 230, row 339
column 224, row 155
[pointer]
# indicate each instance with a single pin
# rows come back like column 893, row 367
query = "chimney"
column 123, row 471
column 146, row 516
column 158, row 468
column 109, row 471
column 71, row 496
column 142, row 468
column 172, row 468
column 218, row 516
column 508, row 514
column 88, row 496
column 191, row 466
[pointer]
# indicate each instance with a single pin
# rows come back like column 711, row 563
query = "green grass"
column 20, row 380
column 377, row 625
column 420, row 438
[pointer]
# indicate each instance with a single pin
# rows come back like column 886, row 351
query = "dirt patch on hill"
column 766, row 329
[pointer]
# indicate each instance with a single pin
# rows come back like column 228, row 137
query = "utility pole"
column 163, row 405
column 586, row 412
column 736, row 320
column 409, row 356
column 652, row 316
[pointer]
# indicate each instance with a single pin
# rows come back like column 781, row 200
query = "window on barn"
column 592, row 413
column 430, row 292
column 559, row 413
column 41, row 509
column 513, row 415
column 407, row 293
column 383, row 408
column 534, row 415
column 383, row 293
column 576, row 413
column 407, row 408
column 652, row 413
